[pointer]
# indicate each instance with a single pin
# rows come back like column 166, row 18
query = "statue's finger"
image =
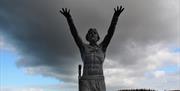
column 68, row 10
column 120, row 7
column 61, row 12
column 63, row 9
column 115, row 9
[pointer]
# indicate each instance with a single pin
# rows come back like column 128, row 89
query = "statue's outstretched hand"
column 65, row 12
column 118, row 10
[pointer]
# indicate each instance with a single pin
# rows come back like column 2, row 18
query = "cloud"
column 147, row 72
column 141, row 44
column 159, row 74
column 38, row 36
column 52, row 87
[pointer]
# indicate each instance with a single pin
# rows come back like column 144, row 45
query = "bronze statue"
column 92, row 54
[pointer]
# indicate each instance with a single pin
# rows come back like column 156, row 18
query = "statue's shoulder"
column 83, row 46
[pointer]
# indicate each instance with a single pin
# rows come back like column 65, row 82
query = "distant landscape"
column 144, row 90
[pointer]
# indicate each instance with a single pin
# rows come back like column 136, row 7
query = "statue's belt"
column 93, row 77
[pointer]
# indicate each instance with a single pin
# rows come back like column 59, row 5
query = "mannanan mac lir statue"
column 92, row 54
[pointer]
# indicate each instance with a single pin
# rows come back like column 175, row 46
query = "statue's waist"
column 92, row 77
column 92, row 71
column 92, row 66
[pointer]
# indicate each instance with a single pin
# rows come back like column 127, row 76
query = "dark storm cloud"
column 41, row 35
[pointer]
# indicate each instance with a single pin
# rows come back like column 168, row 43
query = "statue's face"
column 92, row 35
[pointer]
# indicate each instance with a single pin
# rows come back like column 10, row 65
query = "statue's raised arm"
column 105, row 42
column 66, row 13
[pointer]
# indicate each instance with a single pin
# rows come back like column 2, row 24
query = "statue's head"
column 92, row 35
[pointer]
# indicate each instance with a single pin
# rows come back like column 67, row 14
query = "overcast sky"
column 143, row 53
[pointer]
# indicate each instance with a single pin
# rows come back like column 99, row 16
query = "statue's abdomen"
column 93, row 58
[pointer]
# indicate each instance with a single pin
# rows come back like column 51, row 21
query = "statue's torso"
column 93, row 58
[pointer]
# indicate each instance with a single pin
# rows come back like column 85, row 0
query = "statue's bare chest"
column 93, row 54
